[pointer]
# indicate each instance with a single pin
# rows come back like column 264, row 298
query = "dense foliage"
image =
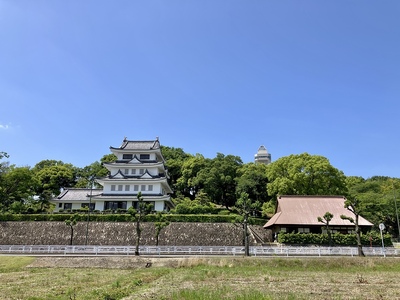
column 125, row 217
column 208, row 186
column 338, row 239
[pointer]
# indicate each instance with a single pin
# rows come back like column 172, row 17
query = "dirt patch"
column 105, row 262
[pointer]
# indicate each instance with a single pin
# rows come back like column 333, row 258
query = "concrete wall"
column 124, row 233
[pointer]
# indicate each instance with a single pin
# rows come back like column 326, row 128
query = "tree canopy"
column 218, row 178
column 304, row 174
column 17, row 185
column 252, row 179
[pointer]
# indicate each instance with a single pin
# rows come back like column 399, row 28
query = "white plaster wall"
column 157, row 188
column 76, row 205
column 159, row 206
column 99, row 205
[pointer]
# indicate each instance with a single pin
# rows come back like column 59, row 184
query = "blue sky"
column 225, row 76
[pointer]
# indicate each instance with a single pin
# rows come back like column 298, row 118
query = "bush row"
column 338, row 239
column 184, row 209
column 80, row 217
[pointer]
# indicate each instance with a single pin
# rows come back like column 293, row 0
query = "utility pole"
column 397, row 213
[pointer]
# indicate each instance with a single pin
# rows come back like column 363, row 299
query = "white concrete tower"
column 262, row 156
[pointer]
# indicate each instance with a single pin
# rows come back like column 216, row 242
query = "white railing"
column 197, row 250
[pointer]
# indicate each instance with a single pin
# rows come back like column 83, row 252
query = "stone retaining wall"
column 124, row 233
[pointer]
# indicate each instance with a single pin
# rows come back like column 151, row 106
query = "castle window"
column 133, row 171
column 127, row 156
column 143, row 187
column 120, row 187
column 113, row 205
column 67, row 206
column 92, row 206
column 127, row 187
column 136, row 187
column 144, row 156
column 150, row 188
column 113, row 187
column 126, row 171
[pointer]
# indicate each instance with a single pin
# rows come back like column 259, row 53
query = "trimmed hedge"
column 95, row 217
column 338, row 239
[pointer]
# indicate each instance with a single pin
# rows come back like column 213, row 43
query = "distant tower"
column 262, row 156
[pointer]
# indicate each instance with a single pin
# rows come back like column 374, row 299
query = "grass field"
column 201, row 278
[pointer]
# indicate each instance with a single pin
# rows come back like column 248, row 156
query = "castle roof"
column 76, row 194
column 138, row 145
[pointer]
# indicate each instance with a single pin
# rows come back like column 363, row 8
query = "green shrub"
column 114, row 217
column 338, row 239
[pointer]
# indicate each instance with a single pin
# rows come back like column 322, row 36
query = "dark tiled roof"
column 305, row 210
column 124, row 176
column 75, row 194
column 126, row 161
column 138, row 145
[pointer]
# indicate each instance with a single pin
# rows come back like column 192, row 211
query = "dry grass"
column 199, row 278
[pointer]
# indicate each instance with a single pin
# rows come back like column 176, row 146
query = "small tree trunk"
column 358, row 235
column 137, row 237
column 158, row 231
column 72, row 235
column 246, row 238
column 329, row 234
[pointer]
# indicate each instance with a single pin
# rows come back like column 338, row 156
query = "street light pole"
column 397, row 213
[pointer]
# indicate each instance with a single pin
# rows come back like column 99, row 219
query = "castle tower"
column 262, row 156
column 139, row 167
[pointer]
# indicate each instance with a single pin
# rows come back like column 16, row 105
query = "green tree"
column 138, row 215
column 188, row 183
column 71, row 222
column 218, row 179
column 4, row 164
column 47, row 163
column 18, row 184
column 85, row 175
column 304, row 174
column 44, row 201
column 268, row 208
column 53, row 178
column 174, row 159
column 159, row 225
column 245, row 207
column 252, row 179
column 325, row 219
column 391, row 189
column 353, row 205
column 377, row 197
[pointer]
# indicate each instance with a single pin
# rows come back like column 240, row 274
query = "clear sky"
column 207, row 76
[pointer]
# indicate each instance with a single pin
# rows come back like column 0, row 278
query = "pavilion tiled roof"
column 138, row 145
column 305, row 210
column 76, row 194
